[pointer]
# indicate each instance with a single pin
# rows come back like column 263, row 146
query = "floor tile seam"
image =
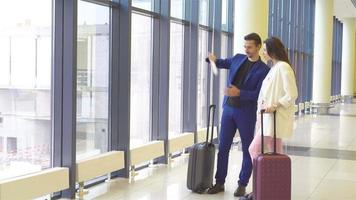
column 321, row 180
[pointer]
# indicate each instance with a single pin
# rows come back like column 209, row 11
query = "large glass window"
column 25, row 86
column 204, row 12
column 141, row 65
column 293, row 23
column 144, row 4
column 224, row 17
column 178, row 9
column 336, row 58
column 223, row 72
column 175, row 78
column 92, row 79
column 202, row 80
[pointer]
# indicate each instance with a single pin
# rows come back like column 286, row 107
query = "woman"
column 278, row 93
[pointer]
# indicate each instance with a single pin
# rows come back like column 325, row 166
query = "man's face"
column 251, row 49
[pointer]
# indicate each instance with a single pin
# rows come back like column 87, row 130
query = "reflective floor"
column 323, row 152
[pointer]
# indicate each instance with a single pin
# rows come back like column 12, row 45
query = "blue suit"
column 242, row 118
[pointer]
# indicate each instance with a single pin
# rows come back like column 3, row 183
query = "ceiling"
column 344, row 8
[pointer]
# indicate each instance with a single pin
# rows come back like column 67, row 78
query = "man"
column 240, row 105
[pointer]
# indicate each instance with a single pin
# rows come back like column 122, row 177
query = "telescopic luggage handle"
column 274, row 131
column 211, row 110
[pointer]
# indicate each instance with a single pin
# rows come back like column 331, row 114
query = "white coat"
column 279, row 86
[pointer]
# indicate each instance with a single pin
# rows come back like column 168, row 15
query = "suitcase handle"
column 211, row 109
column 274, row 132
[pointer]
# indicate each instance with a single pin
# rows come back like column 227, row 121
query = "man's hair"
column 255, row 37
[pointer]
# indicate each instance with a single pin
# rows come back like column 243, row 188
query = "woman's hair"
column 276, row 49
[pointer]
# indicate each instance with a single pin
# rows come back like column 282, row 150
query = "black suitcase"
column 201, row 161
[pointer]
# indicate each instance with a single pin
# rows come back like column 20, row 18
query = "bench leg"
column 81, row 191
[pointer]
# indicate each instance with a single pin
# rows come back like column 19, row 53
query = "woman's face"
column 265, row 53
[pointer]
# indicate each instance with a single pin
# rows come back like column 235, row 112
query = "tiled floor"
column 323, row 152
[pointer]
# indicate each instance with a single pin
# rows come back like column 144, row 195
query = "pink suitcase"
column 271, row 173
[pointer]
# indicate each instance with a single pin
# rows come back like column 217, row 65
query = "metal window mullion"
column 270, row 17
column 230, row 14
column 217, row 50
column 333, row 57
column 162, row 47
column 104, row 3
column 307, row 35
column 230, row 45
column 190, row 68
column 64, row 84
column 275, row 17
column 209, row 81
column 115, row 135
column 340, row 54
column 177, row 20
column 154, row 79
column 57, row 74
column 145, row 12
column 120, row 83
column 311, row 47
column 285, row 23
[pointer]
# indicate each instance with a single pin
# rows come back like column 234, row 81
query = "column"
column 322, row 56
column 348, row 60
column 250, row 16
column 355, row 67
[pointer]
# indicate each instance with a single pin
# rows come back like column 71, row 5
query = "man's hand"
column 212, row 57
column 232, row 91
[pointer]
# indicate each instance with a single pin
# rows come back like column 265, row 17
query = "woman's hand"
column 272, row 108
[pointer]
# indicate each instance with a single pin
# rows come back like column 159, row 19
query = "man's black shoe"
column 216, row 188
column 240, row 191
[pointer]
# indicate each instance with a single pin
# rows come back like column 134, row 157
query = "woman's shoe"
column 247, row 197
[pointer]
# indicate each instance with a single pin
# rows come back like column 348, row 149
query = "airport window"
column 176, row 77
column 293, row 23
column 202, row 80
column 25, row 87
column 204, row 12
column 92, row 79
column 336, row 57
column 178, row 9
column 224, row 16
column 144, row 4
column 141, row 68
column 223, row 73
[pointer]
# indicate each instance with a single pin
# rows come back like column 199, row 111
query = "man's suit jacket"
column 251, row 86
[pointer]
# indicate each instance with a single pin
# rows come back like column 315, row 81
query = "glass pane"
column 202, row 80
column 178, row 9
column 141, row 64
column 92, row 79
column 204, row 12
column 25, row 87
column 175, row 78
column 224, row 17
column 4, row 60
column 144, row 4
column 223, row 73
column 23, row 53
